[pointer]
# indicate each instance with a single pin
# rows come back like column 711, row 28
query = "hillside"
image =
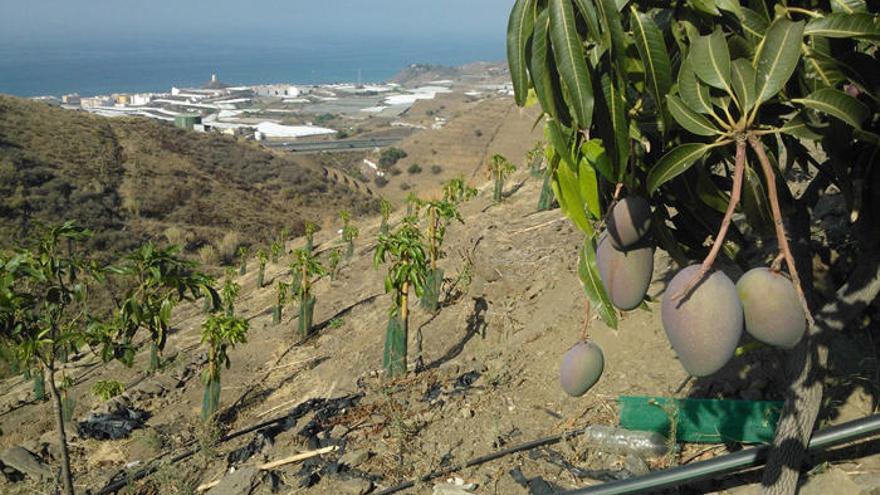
column 491, row 354
column 133, row 179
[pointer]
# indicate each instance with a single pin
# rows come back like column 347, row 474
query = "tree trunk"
column 805, row 365
column 66, row 476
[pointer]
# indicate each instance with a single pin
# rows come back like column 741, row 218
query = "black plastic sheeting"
column 112, row 426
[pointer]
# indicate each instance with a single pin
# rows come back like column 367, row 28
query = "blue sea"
column 157, row 64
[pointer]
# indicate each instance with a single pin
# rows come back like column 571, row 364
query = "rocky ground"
column 491, row 356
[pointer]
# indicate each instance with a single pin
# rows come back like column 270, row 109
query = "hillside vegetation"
column 134, row 179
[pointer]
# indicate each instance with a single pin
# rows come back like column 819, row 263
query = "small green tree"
column 262, row 259
column 219, row 333
column 407, row 256
column 243, row 252
column 310, row 270
column 159, row 279
column 333, row 260
column 281, row 300
column 229, row 292
column 499, row 169
column 385, row 209
column 413, row 204
column 44, row 311
column 311, row 228
column 276, row 249
column 349, row 233
column 456, row 190
column 535, row 159
column 438, row 214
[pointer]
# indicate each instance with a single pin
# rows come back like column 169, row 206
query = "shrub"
column 208, row 255
column 436, row 169
column 394, row 171
column 107, row 389
column 380, row 181
column 178, row 236
column 228, row 247
column 415, row 168
column 405, row 186
column 389, row 156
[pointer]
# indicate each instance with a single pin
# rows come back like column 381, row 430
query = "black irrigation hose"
column 846, row 432
column 835, row 435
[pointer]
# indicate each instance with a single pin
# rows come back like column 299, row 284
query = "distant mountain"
column 134, row 179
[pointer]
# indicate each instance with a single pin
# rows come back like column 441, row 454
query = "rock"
column 338, row 431
column 467, row 412
column 354, row 458
column 831, row 481
column 355, row 486
column 452, row 489
column 150, row 389
column 241, row 482
column 22, row 460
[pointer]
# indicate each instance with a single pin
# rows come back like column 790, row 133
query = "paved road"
column 338, row 145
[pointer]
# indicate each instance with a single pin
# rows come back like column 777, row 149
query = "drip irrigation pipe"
column 828, row 437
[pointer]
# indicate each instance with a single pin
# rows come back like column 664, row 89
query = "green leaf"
column 609, row 16
column 652, row 50
column 848, row 6
column 845, row 26
column 588, row 12
column 595, row 153
column 567, row 190
column 570, row 59
column 777, row 58
column 615, row 134
column 709, row 193
column 519, row 28
column 837, row 104
column 674, row 163
column 797, row 126
column 706, row 6
column 588, row 272
column 743, row 82
column 754, row 23
column 821, row 66
column 559, row 142
column 691, row 90
column 690, row 120
column 755, row 204
column 710, row 60
column 544, row 76
column 589, row 188
column 731, row 6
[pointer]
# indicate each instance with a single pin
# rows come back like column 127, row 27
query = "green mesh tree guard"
column 349, row 249
column 431, row 296
column 211, row 399
column 68, row 404
column 242, row 269
column 39, row 385
column 702, row 420
column 499, row 189
column 154, row 356
column 394, row 357
column 545, row 200
column 310, row 245
column 276, row 314
column 306, row 311
column 261, row 275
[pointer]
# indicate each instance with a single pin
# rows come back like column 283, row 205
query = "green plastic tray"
column 702, row 420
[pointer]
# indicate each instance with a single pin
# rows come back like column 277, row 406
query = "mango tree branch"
column 781, row 238
column 735, row 194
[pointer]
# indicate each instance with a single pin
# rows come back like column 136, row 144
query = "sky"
column 27, row 22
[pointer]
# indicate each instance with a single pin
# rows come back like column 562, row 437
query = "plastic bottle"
column 644, row 444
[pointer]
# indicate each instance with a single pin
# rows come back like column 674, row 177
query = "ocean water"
column 157, row 64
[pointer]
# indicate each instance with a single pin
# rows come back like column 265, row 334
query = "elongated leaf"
column 777, row 58
column 837, row 104
column 690, row 120
column 731, row 6
column 595, row 153
column 821, row 67
column 674, row 163
column 691, row 90
column 570, row 59
column 542, row 69
column 588, row 272
column 616, row 136
column 709, row 193
column 652, row 50
column 845, row 26
column 556, row 135
column 589, row 188
column 519, row 28
column 609, row 15
column 848, row 6
column 710, row 60
column 706, row 6
column 755, row 204
column 743, row 82
column 588, row 12
column 567, row 190
column 797, row 126
column 754, row 23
